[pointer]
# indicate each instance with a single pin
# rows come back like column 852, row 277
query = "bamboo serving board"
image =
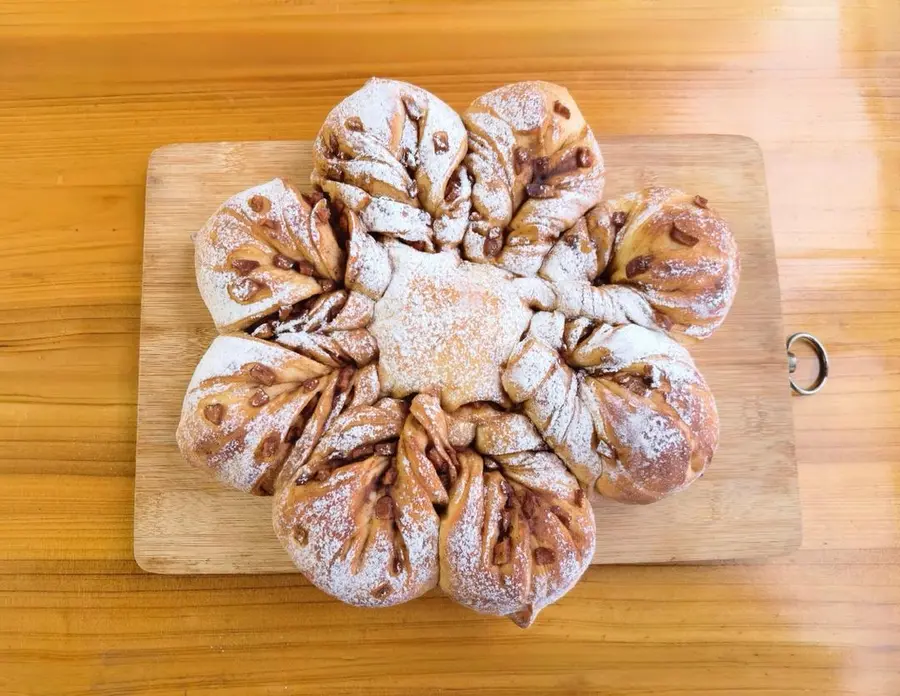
column 746, row 505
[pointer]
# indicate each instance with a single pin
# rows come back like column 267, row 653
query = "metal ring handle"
column 817, row 346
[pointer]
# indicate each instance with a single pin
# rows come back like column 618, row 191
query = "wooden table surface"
column 88, row 89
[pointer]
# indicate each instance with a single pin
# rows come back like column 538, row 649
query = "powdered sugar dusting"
column 402, row 146
column 609, row 350
column 657, row 450
column 346, row 550
column 507, row 433
column 520, row 587
column 523, row 106
column 466, row 573
column 549, row 391
column 548, row 327
column 611, row 304
column 573, row 543
column 619, row 347
column 446, row 324
column 574, row 256
column 649, row 435
column 693, row 284
column 385, row 215
column 228, row 449
column 236, row 231
column 540, row 471
column 227, row 354
column 364, row 425
column 528, row 367
column 368, row 266
column 523, row 119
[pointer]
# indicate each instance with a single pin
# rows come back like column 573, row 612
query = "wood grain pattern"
column 746, row 504
column 89, row 89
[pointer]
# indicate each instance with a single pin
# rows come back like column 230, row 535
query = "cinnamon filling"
column 681, row 237
column 244, row 266
column 259, row 204
column 638, row 265
column 441, row 142
column 214, row 413
column 262, row 374
column 561, row 109
column 259, row 398
column 243, row 290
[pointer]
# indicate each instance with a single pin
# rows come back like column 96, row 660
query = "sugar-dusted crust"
column 245, row 406
column 392, row 153
column 536, row 169
column 265, row 248
column 355, row 519
column 629, row 414
column 516, row 535
column 673, row 263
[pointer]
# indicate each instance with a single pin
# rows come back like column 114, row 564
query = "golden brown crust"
column 358, row 516
column 265, row 248
column 516, row 537
column 652, row 409
column 673, row 263
column 391, row 152
column 678, row 253
column 634, row 419
column 364, row 532
column 247, row 402
column 536, row 169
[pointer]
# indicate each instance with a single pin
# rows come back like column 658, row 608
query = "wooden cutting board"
column 746, row 505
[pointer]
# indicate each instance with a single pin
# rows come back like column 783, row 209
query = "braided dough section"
column 673, row 263
column 265, row 248
column 536, row 168
column 636, row 422
column 549, row 391
column 653, row 412
column 518, row 533
column 356, row 520
column 391, row 152
column 246, row 404
column 679, row 253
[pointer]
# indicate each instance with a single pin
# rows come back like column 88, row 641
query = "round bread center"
column 446, row 325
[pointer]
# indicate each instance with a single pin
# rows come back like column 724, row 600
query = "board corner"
column 749, row 146
column 146, row 561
